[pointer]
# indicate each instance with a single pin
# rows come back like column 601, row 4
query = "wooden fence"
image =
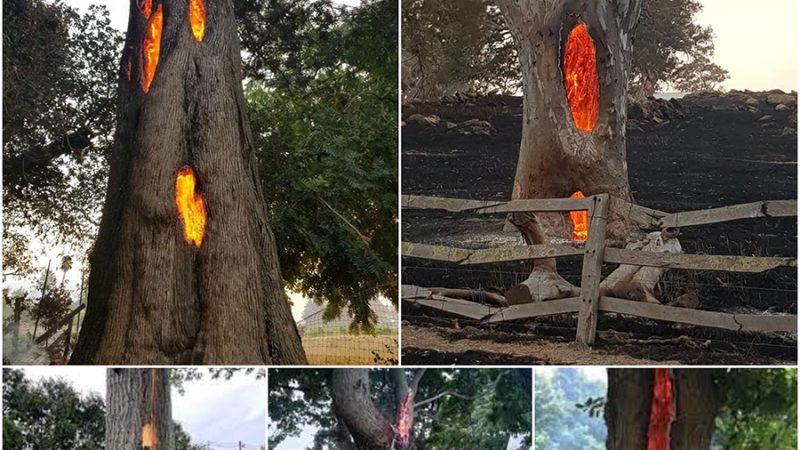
column 595, row 253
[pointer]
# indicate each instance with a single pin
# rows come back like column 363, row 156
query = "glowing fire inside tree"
column 147, row 8
column 148, row 437
column 404, row 423
column 191, row 207
column 197, row 18
column 662, row 411
column 580, row 221
column 580, row 78
column 151, row 46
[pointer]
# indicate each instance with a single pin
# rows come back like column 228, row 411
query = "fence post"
column 591, row 272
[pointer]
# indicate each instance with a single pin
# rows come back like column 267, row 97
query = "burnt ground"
column 719, row 154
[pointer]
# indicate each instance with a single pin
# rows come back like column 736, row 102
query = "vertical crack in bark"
column 151, row 47
column 191, row 206
column 197, row 19
column 662, row 410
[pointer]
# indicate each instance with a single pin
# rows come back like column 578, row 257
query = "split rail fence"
column 595, row 253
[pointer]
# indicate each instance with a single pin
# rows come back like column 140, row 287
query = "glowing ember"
column 580, row 221
column 662, row 411
column 197, row 18
column 148, row 436
column 151, row 46
column 147, row 7
column 580, row 78
column 190, row 206
column 404, row 422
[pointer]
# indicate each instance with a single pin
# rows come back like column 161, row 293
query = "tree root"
column 472, row 295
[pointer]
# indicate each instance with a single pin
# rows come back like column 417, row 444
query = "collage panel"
column 590, row 183
column 594, row 408
column 399, row 409
column 200, row 182
column 92, row 408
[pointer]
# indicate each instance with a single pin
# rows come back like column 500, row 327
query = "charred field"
column 705, row 150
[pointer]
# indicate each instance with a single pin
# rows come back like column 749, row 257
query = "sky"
column 756, row 42
column 217, row 411
column 119, row 9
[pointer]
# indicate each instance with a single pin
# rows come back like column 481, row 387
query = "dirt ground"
column 720, row 154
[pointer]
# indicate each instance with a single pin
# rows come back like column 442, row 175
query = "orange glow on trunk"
column 148, row 436
column 404, row 422
column 191, row 207
column 151, row 46
column 147, row 8
column 662, row 411
column 580, row 78
column 197, row 18
column 580, row 221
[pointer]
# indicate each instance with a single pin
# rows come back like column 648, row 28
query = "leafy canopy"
column 322, row 94
column 464, row 45
column 487, row 411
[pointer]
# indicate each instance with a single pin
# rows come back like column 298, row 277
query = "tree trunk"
column 561, row 154
column 629, row 400
column 352, row 403
column 697, row 406
column 158, row 293
column 138, row 410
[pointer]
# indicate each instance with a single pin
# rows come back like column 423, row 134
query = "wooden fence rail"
column 595, row 253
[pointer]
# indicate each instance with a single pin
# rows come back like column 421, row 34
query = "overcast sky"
column 217, row 411
column 756, row 42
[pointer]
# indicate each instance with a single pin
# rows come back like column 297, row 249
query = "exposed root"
column 540, row 286
column 472, row 295
column 638, row 282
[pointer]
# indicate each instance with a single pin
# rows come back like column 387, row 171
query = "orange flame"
column 147, row 8
column 197, row 18
column 151, row 46
column 580, row 221
column 148, row 436
column 190, row 206
column 662, row 411
column 404, row 422
column 580, row 78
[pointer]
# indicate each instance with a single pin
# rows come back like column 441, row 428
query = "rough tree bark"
column 368, row 427
column 353, row 405
column 557, row 157
column 138, row 409
column 628, row 403
column 154, row 296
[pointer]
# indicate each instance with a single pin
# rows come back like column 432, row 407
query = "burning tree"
column 575, row 57
column 184, row 268
column 398, row 409
column 138, row 409
column 680, row 409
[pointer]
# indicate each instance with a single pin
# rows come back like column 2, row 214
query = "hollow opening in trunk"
column 197, row 19
column 148, row 437
column 151, row 46
column 191, row 206
column 580, row 78
column 580, row 221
